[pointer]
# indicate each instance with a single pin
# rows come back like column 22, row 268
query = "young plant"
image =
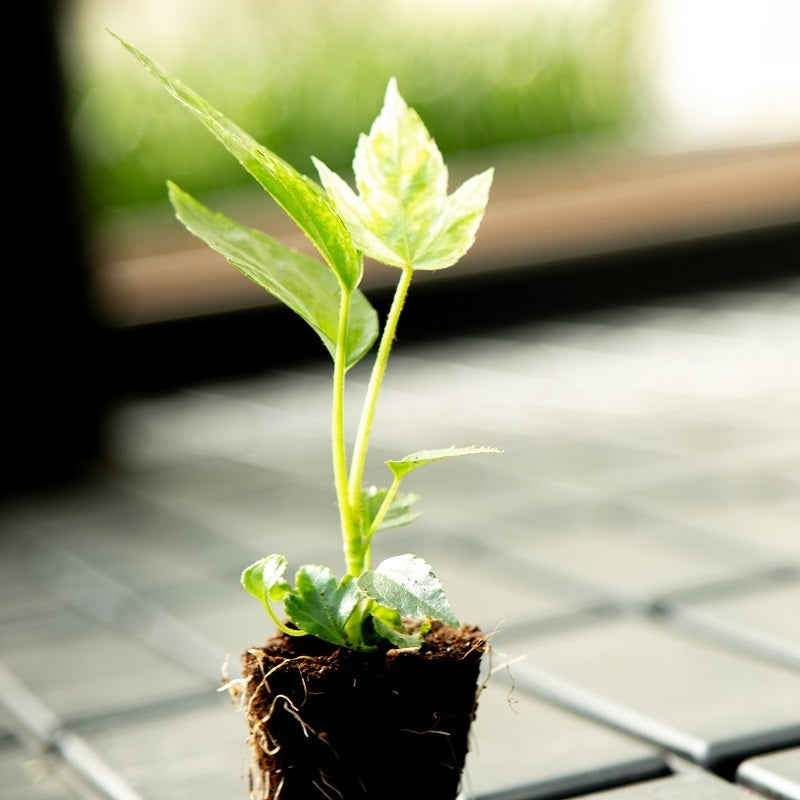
column 401, row 216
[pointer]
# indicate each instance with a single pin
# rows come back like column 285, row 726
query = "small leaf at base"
column 396, row 637
column 320, row 605
column 264, row 578
column 408, row 585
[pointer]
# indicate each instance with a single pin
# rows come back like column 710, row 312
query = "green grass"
column 305, row 77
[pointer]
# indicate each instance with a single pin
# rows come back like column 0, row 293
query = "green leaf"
column 415, row 460
column 264, row 579
column 388, row 616
column 399, row 638
column 304, row 284
column 299, row 196
column 408, row 585
column 388, row 624
column 402, row 215
column 321, row 606
column 399, row 512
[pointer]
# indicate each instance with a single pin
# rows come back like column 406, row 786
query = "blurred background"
column 613, row 125
column 625, row 328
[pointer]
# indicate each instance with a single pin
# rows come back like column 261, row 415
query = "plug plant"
column 400, row 215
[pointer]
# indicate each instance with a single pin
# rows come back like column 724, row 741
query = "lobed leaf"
column 299, row 196
column 408, row 585
column 304, row 284
column 320, row 605
column 402, row 215
column 415, row 460
column 462, row 213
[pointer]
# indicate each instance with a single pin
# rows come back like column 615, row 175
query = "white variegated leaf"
column 402, row 215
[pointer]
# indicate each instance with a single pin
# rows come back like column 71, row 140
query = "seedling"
column 401, row 215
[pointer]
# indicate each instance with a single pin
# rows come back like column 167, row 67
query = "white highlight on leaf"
column 408, row 584
column 402, row 215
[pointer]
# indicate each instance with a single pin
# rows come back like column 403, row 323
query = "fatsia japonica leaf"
column 402, row 215
column 304, row 284
column 408, row 585
column 299, row 196
column 415, row 460
column 398, row 514
column 320, row 605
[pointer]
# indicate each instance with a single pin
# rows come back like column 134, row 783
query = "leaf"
column 321, row 606
column 304, row 284
column 415, row 460
column 399, row 512
column 399, row 638
column 299, row 196
column 408, row 585
column 388, row 624
column 388, row 616
column 264, row 579
column 461, row 216
column 402, row 215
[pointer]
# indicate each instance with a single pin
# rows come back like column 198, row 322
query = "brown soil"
column 328, row 722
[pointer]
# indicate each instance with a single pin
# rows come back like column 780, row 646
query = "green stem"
column 280, row 625
column 373, row 390
column 351, row 535
column 385, row 505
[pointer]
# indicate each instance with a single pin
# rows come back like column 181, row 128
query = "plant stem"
column 373, row 390
column 351, row 535
column 385, row 505
column 287, row 630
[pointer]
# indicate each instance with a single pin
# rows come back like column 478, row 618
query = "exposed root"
column 224, row 668
column 489, row 650
column 506, row 665
column 266, row 743
column 280, row 665
column 321, row 790
column 288, row 662
column 330, row 786
column 291, row 708
column 259, row 735
column 423, row 733
column 265, row 685
column 491, row 670
column 236, row 689
column 260, row 786
column 479, row 644
column 282, row 684
column 447, row 734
